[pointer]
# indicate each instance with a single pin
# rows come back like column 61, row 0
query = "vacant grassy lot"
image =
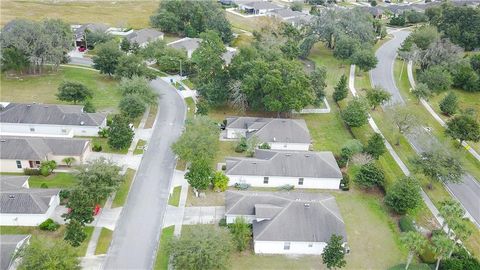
column 55, row 180
column 104, row 241
column 122, row 193
column 174, row 198
column 135, row 14
column 161, row 262
column 42, row 89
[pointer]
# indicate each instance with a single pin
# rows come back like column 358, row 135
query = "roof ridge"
column 243, row 197
column 274, row 218
column 29, row 142
column 328, row 209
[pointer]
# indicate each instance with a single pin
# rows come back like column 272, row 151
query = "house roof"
column 144, row 35
column 261, row 5
column 272, row 129
column 49, row 114
column 12, row 182
column 188, row 44
column 8, row 246
column 93, row 27
column 285, row 163
column 286, row 13
column 21, row 200
column 37, row 148
column 288, row 216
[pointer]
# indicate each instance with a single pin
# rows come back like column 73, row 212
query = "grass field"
column 104, row 241
column 55, row 180
column 161, row 262
column 122, row 192
column 42, row 89
column 135, row 14
column 174, row 198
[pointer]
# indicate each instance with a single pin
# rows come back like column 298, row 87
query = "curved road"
column 138, row 230
column 468, row 192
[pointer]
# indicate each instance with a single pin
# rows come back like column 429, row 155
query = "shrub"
column 449, row 104
column 43, row 185
column 242, row 186
column 96, row 148
column 264, row 146
column 242, row 145
column 406, row 224
column 49, row 225
column 428, row 256
column 286, row 187
column 47, row 167
column 64, row 194
column 222, row 222
column 369, row 176
column 404, row 195
column 224, row 167
column 28, row 171
column 103, row 133
column 460, row 260
column 220, row 181
column 44, row 171
column 345, row 182
column 241, row 233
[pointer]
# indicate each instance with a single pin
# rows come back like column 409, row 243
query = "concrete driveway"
column 203, row 214
column 138, row 230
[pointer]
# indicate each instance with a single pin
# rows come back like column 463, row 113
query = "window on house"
column 300, row 181
column 37, row 162
column 310, row 244
column 19, row 164
column 64, row 130
column 265, row 180
column 32, row 129
column 286, row 246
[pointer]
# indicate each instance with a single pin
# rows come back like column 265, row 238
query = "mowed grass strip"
column 104, row 241
column 161, row 262
column 55, row 180
column 174, row 198
column 122, row 192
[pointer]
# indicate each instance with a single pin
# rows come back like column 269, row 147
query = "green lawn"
column 55, row 180
column 174, row 198
column 104, row 241
column 42, row 89
column 58, row 234
column 105, row 146
column 139, row 148
column 122, row 192
column 189, row 83
column 161, row 262
column 190, row 107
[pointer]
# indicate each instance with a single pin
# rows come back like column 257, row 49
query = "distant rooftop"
column 144, row 35
column 8, row 246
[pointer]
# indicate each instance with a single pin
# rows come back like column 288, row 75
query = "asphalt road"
column 81, row 61
column 138, row 230
column 467, row 192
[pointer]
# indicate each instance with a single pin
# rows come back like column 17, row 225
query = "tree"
column 424, row 36
column 464, row 77
column 355, row 114
column 74, row 233
column 140, row 87
column 441, row 246
column 94, row 38
column 451, row 211
column 457, row 24
column 404, row 195
column 475, row 62
column 414, row 242
column 365, row 59
column 341, row 89
column 436, row 78
column 349, row 149
column 375, row 146
column 88, row 106
column 421, row 91
column 202, row 107
column 201, row 247
column 403, row 118
column 463, row 128
column 334, row 253
column 370, row 175
column 107, row 57
column 125, row 45
column 345, row 47
column 414, row 16
column 132, row 65
column 440, row 53
column 199, row 174
column 73, row 92
column 199, row 141
column 449, row 104
column 49, row 253
column 120, row 133
column 68, row 161
column 439, row 166
column 241, row 233
column 377, row 96
column 297, row 6
column 220, row 181
column 318, row 82
column 47, row 167
column 132, row 106
column 81, row 204
column 14, row 59
column 398, row 20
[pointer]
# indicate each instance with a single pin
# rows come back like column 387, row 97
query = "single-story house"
column 24, row 206
column 191, row 44
column 279, row 133
column 258, row 7
column 287, row 222
column 48, row 120
column 79, row 31
column 376, row 12
column 10, row 244
column 285, row 13
column 144, row 36
column 270, row 168
column 19, row 153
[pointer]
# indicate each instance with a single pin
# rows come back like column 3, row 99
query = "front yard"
column 55, row 180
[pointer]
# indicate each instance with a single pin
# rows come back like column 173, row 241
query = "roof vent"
column 307, row 205
column 11, row 196
column 3, row 140
column 28, row 105
column 82, row 123
column 287, row 155
column 45, row 106
column 274, row 139
column 307, row 155
column 254, row 163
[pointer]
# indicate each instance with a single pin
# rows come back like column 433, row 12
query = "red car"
column 82, row 49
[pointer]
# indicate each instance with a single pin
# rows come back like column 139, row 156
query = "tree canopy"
column 463, row 128
column 120, row 133
column 48, row 254
column 404, row 195
column 439, row 166
column 355, row 114
column 107, row 57
column 333, row 255
column 73, row 92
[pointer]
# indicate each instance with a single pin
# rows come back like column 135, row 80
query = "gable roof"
column 21, row 200
column 8, row 246
column 272, row 129
column 37, row 148
column 285, row 163
column 144, row 35
column 288, row 216
column 13, row 182
column 261, row 5
column 188, row 44
column 286, row 13
column 49, row 114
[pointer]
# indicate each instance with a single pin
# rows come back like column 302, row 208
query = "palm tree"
column 441, row 247
column 414, row 242
column 69, row 161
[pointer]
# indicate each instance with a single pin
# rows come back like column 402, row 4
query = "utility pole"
column 181, row 68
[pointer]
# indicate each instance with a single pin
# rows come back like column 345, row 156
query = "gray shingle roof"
column 37, row 148
column 262, row 5
column 306, row 217
column 286, row 163
column 12, row 182
column 49, row 114
column 144, row 35
column 8, row 246
column 188, row 44
column 287, row 13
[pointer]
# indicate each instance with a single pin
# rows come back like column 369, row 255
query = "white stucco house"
column 258, row 7
column 144, row 36
column 24, row 206
column 48, row 120
column 10, row 244
column 273, row 168
column 18, row 153
column 287, row 222
column 279, row 133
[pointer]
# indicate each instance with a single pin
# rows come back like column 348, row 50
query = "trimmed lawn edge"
column 174, row 198
column 122, row 192
column 104, row 241
column 161, row 261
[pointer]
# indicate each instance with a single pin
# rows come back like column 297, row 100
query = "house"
column 258, row 7
column 295, row 18
column 81, row 30
column 10, row 244
column 270, row 168
column 287, row 223
column 144, row 36
column 48, row 120
column 191, row 44
column 24, row 206
column 376, row 12
column 19, row 153
column 279, row 133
